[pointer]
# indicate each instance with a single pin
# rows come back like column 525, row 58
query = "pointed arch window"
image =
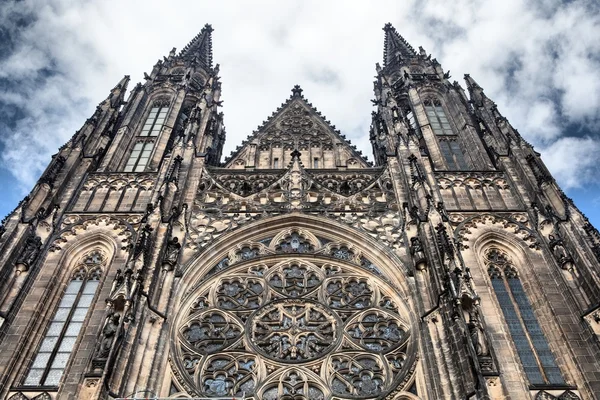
column 155, row 120
column 452, row 153
column 142, row 150
column 532, row 347
column 53, row 355
column 437, row 117
column 455, row 158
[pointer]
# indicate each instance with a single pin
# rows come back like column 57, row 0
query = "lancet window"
column 437, row 118
column 146, row 139
column 53, row 355
column 448, row 140
column 532, row 347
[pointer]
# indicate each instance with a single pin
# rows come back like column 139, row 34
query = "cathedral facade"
column 453, row 267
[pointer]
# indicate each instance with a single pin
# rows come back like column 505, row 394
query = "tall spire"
column 395, row 46
column 200, row 47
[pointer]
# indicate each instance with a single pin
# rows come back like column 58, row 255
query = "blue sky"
column 538, row 60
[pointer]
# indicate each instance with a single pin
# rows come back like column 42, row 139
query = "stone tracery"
column 295, row 322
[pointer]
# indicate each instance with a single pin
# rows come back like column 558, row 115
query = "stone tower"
column 452, row 268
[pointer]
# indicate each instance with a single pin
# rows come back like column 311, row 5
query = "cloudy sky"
column 539, row 60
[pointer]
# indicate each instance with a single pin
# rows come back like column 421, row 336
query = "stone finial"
column 297, row 91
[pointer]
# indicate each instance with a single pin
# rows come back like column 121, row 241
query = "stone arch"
column 240, row 300
column 512, row 238
column 374, row 250
column 406, row 396
column 58, row 269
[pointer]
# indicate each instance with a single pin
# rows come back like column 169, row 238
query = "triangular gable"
column 296, row 125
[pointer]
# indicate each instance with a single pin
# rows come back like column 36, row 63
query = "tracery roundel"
column 293, row 324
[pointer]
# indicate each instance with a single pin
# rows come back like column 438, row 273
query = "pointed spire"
column 117, row 94
column 475, row 91
column 395, row 46
column 200, row 47
column 122, row 85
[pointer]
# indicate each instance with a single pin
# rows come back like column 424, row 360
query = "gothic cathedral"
column 453, row 267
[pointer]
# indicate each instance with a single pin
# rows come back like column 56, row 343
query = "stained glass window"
column 531, row 344
column 51, row 359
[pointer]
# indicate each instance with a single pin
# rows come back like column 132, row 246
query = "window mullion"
column 62, row 333
column 154, row 121
column 519, row 314
column 139, row 156
column 531, row 325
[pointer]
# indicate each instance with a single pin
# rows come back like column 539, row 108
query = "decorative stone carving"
column 478, row 337
column 559, row 251
column 30, row 252
column 211, row 331
column 476, row 190
column 310, row 326
column 171, row 255
column 357, row 375
column 294, row 384
column 372, row 209
column 294, row 330
column 74, row 225
column 515, row 223
column 115, row 192
column 109, row 331
column 418, row 253
column 230, row 373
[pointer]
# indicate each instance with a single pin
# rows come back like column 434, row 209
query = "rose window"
column 307, row 326
column 294, row 330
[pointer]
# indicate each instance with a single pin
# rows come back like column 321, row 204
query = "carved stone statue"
column 171, row 253
column 109, row 332
column 477, row 334
column 30, row 252
column 560, row 253
column 416, row 250
column 117, row 282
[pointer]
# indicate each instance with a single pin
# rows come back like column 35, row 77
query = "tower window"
column 139, row 157
column 411, row 119
column 51, row 359
column 437, row 118
column 154, row 122
column 532, row 347
column 454, row 156
column 315, row 162
column 276, row 162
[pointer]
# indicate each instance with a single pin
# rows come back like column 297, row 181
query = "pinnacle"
column 471, row 84
column 297, row 91
column 122, row 83
column 395, row 46
column 200, row 47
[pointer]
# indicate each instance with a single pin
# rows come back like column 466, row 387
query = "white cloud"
column 573, row 161
column 539, row 61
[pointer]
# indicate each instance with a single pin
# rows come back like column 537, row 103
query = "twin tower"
column 453, row 267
